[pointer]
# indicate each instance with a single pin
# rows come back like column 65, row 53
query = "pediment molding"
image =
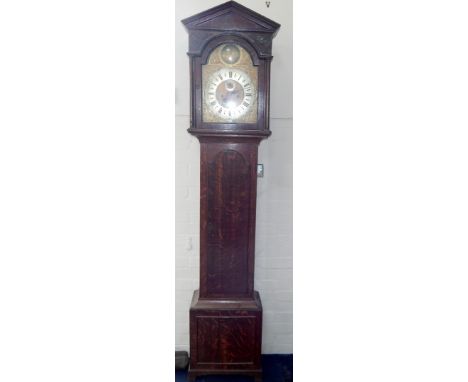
column 231, row 16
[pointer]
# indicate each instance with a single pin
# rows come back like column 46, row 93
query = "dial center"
column 230, row 94
column 230, row 86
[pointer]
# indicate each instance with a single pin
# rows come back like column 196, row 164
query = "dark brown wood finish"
column 230, row 23
column 226, row 312
column 225, row 336
column 227, row 205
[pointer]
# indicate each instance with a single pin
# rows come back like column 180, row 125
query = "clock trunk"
column 228, row 186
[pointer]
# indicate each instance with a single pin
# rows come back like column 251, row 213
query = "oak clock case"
column 230, row 56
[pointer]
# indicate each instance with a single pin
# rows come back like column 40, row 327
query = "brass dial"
column 230, row 93
column 229, row 86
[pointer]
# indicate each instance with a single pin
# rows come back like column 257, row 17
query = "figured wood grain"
column 207, row 339
column 225, row 338
column 236, row 339
column 228, row 196
column 227, row 218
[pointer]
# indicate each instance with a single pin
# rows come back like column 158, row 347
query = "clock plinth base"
column 193, row 374
column 225, row 336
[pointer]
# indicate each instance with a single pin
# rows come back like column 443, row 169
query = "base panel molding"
column 225, row 336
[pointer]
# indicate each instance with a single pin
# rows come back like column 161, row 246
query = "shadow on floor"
column 276, row 368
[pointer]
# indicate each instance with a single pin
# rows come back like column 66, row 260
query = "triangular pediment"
column 231, row 16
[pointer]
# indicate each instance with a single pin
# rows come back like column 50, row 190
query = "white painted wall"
column 274, row 252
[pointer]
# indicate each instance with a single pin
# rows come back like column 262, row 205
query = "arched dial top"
column 229, row 86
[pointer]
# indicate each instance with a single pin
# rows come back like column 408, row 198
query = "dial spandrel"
column 229, row 86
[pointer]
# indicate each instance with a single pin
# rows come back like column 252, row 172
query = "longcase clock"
column 230, row 56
